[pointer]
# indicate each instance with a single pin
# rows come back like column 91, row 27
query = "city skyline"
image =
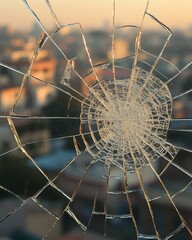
column 96, row 14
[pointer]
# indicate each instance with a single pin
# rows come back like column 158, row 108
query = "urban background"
column 50, row 149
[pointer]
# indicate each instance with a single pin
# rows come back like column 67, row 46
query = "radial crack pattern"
column 146, row 114
column 107, row 145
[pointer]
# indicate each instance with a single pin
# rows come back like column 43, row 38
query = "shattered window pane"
column 95, row 124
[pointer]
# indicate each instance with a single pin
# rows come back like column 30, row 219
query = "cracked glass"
column 95, row 126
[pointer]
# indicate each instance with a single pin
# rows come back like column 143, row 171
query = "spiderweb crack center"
column 139, row 121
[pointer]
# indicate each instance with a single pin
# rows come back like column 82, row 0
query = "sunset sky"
column 174, row 13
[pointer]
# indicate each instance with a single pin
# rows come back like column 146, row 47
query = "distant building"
column 99, row 45
column 121, row 49
column 44, row 69
column 44, row 95
column 8, row 97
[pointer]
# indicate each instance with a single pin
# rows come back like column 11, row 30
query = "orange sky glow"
column 174, row 13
